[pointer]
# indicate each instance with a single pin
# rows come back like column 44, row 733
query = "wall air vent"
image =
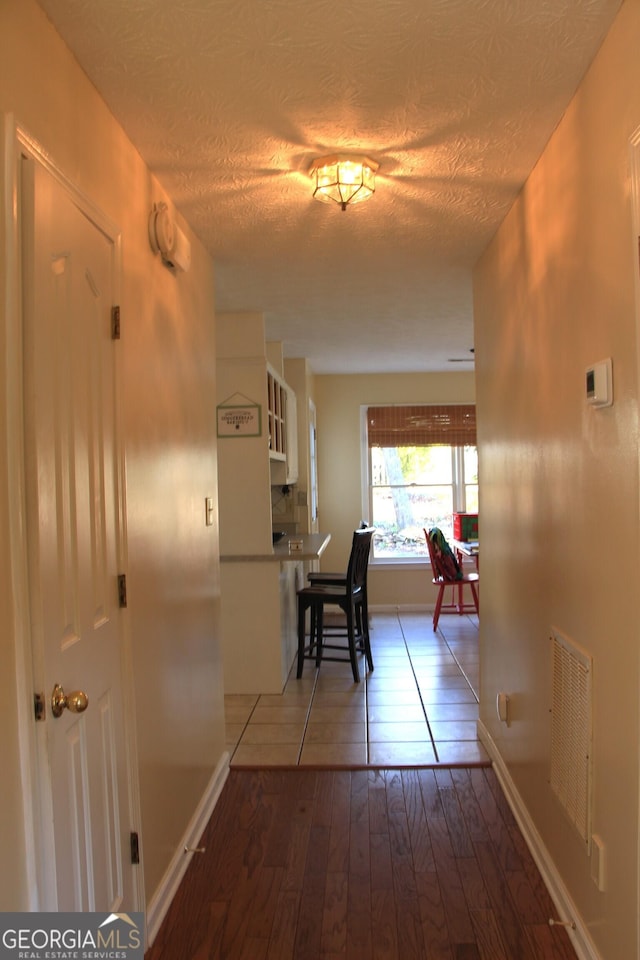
column 571, row 732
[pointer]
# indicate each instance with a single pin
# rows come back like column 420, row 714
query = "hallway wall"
column 554, row 293
column 167, row 384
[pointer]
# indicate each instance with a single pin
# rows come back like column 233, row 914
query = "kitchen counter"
column 258, row 613
column 313, row 546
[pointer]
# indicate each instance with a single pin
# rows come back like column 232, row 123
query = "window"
column 421, row 467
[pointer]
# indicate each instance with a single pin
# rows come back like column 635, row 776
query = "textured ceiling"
column 229, row 101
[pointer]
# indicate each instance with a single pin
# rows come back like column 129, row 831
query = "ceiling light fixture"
column 344, row 179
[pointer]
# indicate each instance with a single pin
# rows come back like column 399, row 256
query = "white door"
column 71, row 467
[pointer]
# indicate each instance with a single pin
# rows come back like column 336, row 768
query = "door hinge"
column 122, row 589
column 115, row 323
column 135, row 847
column 39, row 707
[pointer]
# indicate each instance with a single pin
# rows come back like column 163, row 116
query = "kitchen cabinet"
column 283, row 429
column 276, row 415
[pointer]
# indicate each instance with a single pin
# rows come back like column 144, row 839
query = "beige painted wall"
column 559, row 520
column 338, row 400
column 167, row 369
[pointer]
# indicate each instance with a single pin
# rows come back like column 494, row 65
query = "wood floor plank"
column 264, row 889
column 443, row 777
column 282, row 941
column 252, row 816
column 378, row 819
column 360, row 797
column 397, row 817
column 434, row 925
column 501, row 801
column 516, row 941
column 404, row 880
column 498, row 828
column 315, row 869
column 308, row 937
column 238, row 915
column 410, row 933
column 261, row 908
column 207, row 940
column 471, row 811
column 252, row 950
column 359, row 852
column 475, row 891
column 359, row 925
column 550, row 943
column 340, row 820
column 488, row 939
column 533, row 874
column 384, row 930
column 294, row 868
column 487, row 804
column 419, row 836
column 430, row 795
column 453, row 898
column 183, row 936
column 322, row 800
column 380, row 860
column 460, row 839
column 524, row 896
column 265, row 841
column 257, row 883
column 306, row 787
column 334, row 922
column 467, row 951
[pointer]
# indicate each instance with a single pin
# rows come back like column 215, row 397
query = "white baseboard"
column 166, row 891
column 566, row 908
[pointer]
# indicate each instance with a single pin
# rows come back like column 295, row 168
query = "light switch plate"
column 599, row 384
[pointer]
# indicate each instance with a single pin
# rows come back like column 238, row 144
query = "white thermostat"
column 599, row 384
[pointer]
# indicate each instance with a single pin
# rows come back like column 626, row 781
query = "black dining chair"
column 348, row 592
column 334, row 578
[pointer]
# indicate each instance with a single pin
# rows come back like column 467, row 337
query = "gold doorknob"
column 76, row 701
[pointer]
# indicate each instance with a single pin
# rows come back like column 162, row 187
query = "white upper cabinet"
column 282, row 423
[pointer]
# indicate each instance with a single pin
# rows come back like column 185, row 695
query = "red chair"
column 447, row 573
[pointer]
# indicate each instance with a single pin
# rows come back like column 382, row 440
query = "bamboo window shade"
column 421, row 425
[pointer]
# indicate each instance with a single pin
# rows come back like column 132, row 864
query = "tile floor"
column 418, row 708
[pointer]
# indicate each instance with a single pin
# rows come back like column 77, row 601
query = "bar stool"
column 350, row 595
column 333, row 578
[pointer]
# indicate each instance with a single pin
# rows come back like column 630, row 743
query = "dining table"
column 469, row 549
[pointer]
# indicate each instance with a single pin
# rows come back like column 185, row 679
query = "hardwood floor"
column 368, row 864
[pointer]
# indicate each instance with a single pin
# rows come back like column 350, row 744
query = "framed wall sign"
column 238, row 416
